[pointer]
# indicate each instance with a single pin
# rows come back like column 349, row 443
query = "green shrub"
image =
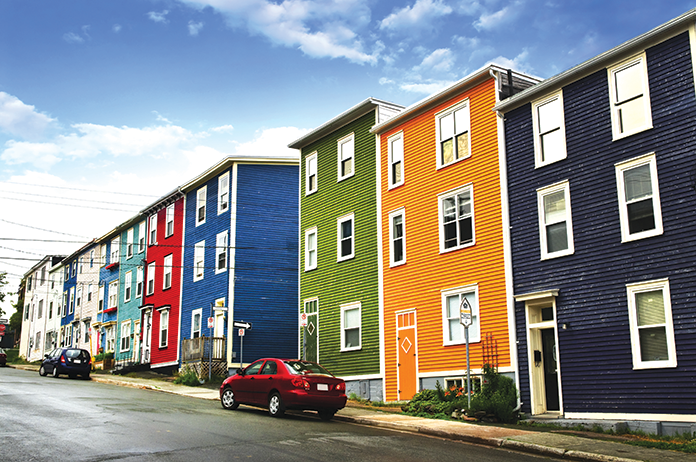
column 188, row 378
column 103, row 356
column 497, row 397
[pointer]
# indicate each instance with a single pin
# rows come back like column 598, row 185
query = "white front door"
column 147, row 333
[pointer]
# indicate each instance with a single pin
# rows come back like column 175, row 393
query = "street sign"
column 303, row 320
column 465, row 313
column 211, row 322
column 241, row 332
column 2, row 327
column 220, row 308
column 4, row 321
column 241, row 324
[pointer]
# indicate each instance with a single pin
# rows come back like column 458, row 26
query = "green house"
column 339, row 280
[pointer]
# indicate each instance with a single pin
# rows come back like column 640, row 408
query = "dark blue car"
column 70, row 361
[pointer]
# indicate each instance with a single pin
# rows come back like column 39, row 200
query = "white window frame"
column 559, row 125
column 142, row 236
column 111, row 338
column 169, row 228
column 113, row 294
column 201, row 205
column 650, row 286
column 102, row 255
column 440, row 200
column 167, row 278
column 395, row 157
column 139, row 282
column 198, row 312
column 311, row 168
column 128, row 286
column 152, row 234
column 542, row 193
column 400, row 212
column 163, row 339
column 71, row 306
column 621, row 167
column 616, row 106
column 308, row 251
column 89, row 292
column 125, row 336
column 438, row 118
column 130, row 236
column 340, row 239
column 115, row 250
column 78, row 299
column 474, row 329
column 100, row 302
column 199, row 261
column 223, row 193
column 150, row 278
column 221, row 251
column 350, row 307
column 347, row 141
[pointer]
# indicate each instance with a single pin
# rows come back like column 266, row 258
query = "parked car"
column 3, row 358
column 280, row 384
column 70, row 361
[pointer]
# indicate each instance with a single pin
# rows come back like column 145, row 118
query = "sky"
column 107, row 105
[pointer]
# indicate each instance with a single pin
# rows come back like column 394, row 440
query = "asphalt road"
column 42, row 418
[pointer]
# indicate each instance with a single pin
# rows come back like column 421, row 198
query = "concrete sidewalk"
column 557, row 445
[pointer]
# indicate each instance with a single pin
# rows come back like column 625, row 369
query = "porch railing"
column 194, row 349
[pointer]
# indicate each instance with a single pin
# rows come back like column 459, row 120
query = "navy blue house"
column 601, row 179
column 240, row 259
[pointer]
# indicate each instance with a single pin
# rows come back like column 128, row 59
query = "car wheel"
column 228, row 401
column 42, row 371
column 327, row 414
column 85, row 376
column 55, row 372
column 275, row 405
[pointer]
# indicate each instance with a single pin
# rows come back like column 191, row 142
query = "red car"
column 280, row 384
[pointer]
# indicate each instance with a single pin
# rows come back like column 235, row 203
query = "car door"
column 52, row 360
column 245, row 387
column 266, row 381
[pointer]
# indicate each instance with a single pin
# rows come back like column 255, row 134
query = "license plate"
column 322, row 387
column 77, row 361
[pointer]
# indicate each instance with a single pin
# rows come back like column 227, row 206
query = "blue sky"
column 101, row 98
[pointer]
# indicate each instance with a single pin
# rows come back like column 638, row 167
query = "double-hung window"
column 629, row 97
column 129, row 242
column 456, row 209
column 397, row 238
column 91, row 259
column 141, row 236
column 310, row 249
column 453, row 140
column 652, row 328
column 151, row 278
column 201, row 199
column 139, row 282
column 102, row 256
column 639, row 198
column 351, row 325
column 113, row 294
column 346, row 157
column 221, row 252
column 115, row 247
column 163, row 328
column 452, row 330
column 223, row 192
column 549, row 130
column 169, row 230
column 196, row 319
column 167, row 280
column 311, row 173
column 396, row 159
column 100, row 305
column 78, row 301
column 555, row 223
column 125, row 335
column 198, row 261
column 127, row 289
column 89, row 292
column 153, row 229
column 71, row 307
column 346, row 244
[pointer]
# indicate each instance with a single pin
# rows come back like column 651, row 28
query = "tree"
column 3, row 283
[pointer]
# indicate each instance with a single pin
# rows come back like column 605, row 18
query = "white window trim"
column 339, row 222
column 100, row 301
column 139, row 283
column 113, row 294
column 308, row 159
column 392, row 184
column 222, row 179
column 440, row 198
column 344, row 308
column 125, row 329
column 142, row 236
column 474, row 336
column 199, row 312
column 129, row 243
column 151, row 267
column 170, row 219
column 165, row 338
column 541, row 193
column 128, row 286
column 445, row 113
column 115, row 253
column 153, row 230
column 168, row 262
column 198, row 251
column 346, row 139
column 395, row 213
column 647, row 107
column 538, row 151
column 201, row 192
column 221, row 246
column 308, row 232
column 650, row 160
column 631, row 290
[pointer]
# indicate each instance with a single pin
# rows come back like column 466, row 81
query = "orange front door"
column 406, row 355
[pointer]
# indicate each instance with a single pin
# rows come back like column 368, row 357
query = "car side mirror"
column 240, row 371
column 46, row 355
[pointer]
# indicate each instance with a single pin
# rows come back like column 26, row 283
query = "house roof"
column 601, row 61
column 342, row 119
column 227, row 162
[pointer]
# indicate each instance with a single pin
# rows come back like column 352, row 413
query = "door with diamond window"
column 311, row 331
column 406, row 356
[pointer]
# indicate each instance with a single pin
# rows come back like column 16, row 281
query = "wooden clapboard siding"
column 418, row 283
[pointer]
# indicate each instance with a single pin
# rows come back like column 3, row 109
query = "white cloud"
column 385, row 81
column 20, row 119
column 426, row 88
column 194, row 28
column 489, row 21
column 160, row 17
column 518, row 63
column 271, row 142
column 116, row 28
column 223, row 128
column 41, row 155
column 466, row 42
column 440, row 60
column 161, row 118
column 418, row 16
column 72, row 37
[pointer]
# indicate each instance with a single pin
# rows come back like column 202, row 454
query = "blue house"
column 240, row 261
column 107, row 309
column 67, row 337
column 601, row 191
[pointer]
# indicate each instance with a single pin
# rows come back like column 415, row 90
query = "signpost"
column 241, row 325
column 465, row 320
column 211, row 323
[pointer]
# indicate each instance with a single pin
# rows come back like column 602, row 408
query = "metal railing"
column 194, row 349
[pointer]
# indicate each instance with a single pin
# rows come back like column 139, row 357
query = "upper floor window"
column 198, row 261
column 639, row 198
column 151, row 278
column 130, row 236
column 141, row 237
column 100, row 304
column 73, row 271
column 397, row 238
column 196, row 318
column 311, row 173
column 153, row 229
column 91, row 261
column 221, row 252
column 201, row 198
column 555, row 223
column 310, row 249
column 346, row 157
column 452, row 329
column 223, row 192
column 630, row 97
column 164, row 328
column 456, row 219
column 127, row 286
column 346, row 244
column 113, row 294
column 167, row 280
column 549, row 130
column 125, row 335
column 139, row 281
column 102, row 256
column 115, row 247
column 453, row 140
column 169, row 230
column 396, row 159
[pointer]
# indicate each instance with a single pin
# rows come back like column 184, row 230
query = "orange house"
column 442, row 245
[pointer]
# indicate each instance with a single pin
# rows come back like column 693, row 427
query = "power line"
column 80, row 189
column 65, row 198
column 69, row 205
column 42, row 229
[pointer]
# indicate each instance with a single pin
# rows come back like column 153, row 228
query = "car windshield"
column 305, row 367
column 74, row 354
column 2, row 352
